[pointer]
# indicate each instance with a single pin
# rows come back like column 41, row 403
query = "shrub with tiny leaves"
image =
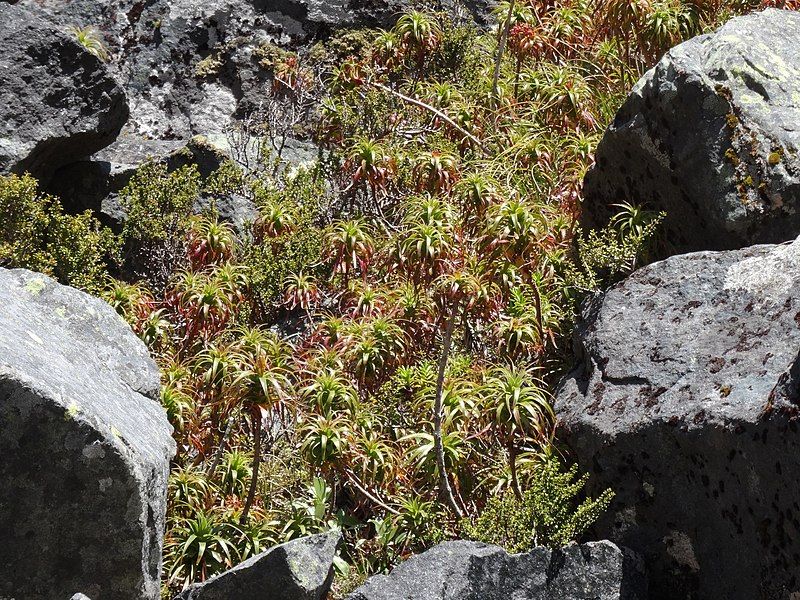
column 548, row 514
column 36, row 234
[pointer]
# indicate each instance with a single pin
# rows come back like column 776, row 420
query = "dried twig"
column 436, row 111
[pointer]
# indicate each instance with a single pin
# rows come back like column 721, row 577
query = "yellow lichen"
column 35, row 286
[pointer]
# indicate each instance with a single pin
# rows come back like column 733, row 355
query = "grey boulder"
column 58, row 102
column 85, row 448
column 685, row 402
column 301, row 569
column 462, row 570
column 711, row 136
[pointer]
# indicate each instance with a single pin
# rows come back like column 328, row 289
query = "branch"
column 435, row 111
column 500, row 49
column 444, row 482
column 351, row 477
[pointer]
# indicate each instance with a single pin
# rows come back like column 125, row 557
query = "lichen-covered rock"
column 464, row 570
column 58, row 102
column 685, row 402
column 84, row 448
column 301, row 569
column 711, row 136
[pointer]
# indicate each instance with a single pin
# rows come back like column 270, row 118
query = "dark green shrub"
column 36, row 234
column 609, row 254
column 158, row 206
column 157, row 201
column 288, row 238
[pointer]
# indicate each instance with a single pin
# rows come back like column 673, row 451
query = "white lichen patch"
column 35, row 338
column 680, row 548
column 768, row 276
column 94, row 451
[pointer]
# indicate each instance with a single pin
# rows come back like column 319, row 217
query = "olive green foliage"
column 228, row 179
column 548, row 514
column 36, row 234
column 158, row 203
column 607, row 254
column 290, row 216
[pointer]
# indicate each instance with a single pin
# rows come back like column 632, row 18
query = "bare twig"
column 429, row 108
column 351, row 477
column 444, row 481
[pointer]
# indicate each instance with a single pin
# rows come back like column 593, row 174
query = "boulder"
column 685, row 402
column 711, row 136
column 301, row 569
column 85, row 448
column 464, row 570
column 58, row 101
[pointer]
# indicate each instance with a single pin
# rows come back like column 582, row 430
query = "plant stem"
column 444, row 481
column 501, row 48
column 222, row 443
column 512, row 465
column 251, row 493
column 351, row 477
column 428, row 107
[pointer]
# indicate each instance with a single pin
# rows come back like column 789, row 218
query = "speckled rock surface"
column 190, row 67
column 711, row 136
column 85, row 448
column 464, row 570
column 685, row 402
column 298, row 570
column 58, row 102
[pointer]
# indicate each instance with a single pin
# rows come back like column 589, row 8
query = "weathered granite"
column 464, row 570
column 301, row 569
column 711, row 136
column 85, row 448
column 58, row 102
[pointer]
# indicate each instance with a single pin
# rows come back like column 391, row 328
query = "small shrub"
column 36, row 234
column 287, row 238
column 607, row 255
column 159, row 205
column 547, row 515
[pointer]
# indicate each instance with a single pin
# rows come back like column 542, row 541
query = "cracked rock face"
column 58, row 102
column 464, row 570
column 711, row 136
column 85, row 448
column 685, row 402
column 301, row 569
